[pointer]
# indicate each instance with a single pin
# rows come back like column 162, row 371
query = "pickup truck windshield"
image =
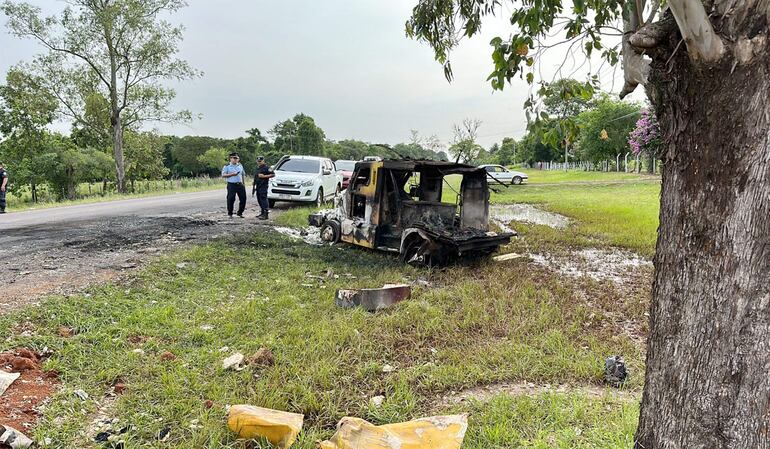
column 300, row 166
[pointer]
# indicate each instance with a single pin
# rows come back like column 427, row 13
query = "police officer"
column 3, row 187
column 261, row 180
column 234, row 174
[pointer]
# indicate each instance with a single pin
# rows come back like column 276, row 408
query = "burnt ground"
column 63, row 250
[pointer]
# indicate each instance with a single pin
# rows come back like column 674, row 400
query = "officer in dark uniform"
column 261, row 180
column 3, row 187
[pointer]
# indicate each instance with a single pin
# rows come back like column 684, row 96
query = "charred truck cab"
column 401, row 206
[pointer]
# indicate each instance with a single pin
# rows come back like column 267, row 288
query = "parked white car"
column 500, row 174
column 306, row 179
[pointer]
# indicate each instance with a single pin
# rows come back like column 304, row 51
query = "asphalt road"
column 176, row 204
column 63, row 249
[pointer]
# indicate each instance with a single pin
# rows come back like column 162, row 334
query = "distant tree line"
column 602, row 128
column 38, row 157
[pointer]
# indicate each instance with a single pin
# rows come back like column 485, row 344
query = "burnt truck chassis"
column 378, row 212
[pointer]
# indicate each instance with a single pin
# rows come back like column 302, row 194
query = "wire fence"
column 46, row 194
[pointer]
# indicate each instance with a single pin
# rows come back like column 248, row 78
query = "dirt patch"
column 20, row 405
column 487, row 392
column 63, row 258
column 615, row 265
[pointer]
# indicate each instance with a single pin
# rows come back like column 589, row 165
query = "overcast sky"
column 347, row 63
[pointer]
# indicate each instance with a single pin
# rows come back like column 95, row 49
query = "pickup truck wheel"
column 330, row 232
column 271, row 203
column 319, row 201
column 516, row 180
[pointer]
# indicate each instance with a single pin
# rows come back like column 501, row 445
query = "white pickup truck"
column 307, row 179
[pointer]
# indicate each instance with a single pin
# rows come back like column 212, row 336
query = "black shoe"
column 2, row 211
column 240, row 215
column 262, row 217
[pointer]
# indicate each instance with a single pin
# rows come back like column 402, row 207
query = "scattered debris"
column 234, row 362
column 182, row 265
column 263, row 357
column 208, row 404
column 6, row 379
column 111, row 434
column 138, row 351
column 119, row 388
column 13, row 438
column 206, row 327
column 437, row 432
column 22, row 398
column 65, row 331
column 309, row 235
column 82, row 395
column 503, row 215
column 509, row 256
column 615, row 372
column 377, row 401
column 167, row 356
column 388, row 368
column 373, row 299
column 278, row 427
column 164, row 434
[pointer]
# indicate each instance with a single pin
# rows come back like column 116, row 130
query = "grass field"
column 467, row 325
column 574, row 176
column 623, row 215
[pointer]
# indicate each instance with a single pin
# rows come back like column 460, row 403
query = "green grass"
column 622, row 215
column 144, row 189
column 552, row 421
column 295, row 217
column 478, row 324
column 552, row 176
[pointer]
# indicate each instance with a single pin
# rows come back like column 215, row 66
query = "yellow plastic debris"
column 437, row 432
column 280, row 428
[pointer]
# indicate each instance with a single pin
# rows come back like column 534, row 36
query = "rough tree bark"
column 117, row 145
column 707, row 383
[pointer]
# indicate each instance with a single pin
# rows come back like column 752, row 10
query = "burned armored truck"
column 429, row 212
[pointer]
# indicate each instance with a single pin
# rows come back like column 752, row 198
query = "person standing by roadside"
column 234, row 174
column 3, row 187
column 261, row 180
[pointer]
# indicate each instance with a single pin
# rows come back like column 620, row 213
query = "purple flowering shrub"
column 645, row 138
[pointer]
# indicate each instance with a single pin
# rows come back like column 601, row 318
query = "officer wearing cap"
column 261, row 180
column 234, row 174
column 3, row 187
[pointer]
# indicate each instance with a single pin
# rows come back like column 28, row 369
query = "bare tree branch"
column 703, row 44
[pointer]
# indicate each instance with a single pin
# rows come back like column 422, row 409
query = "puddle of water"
column 503, row 215
column 310, row 234
column 600, row 265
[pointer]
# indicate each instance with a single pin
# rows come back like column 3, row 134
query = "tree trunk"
column 708, row 357
column 117, row 145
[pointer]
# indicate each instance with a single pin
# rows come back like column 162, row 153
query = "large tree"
column 706, row 69
column 121, row 50
column 604, row 129
column 25, row 112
